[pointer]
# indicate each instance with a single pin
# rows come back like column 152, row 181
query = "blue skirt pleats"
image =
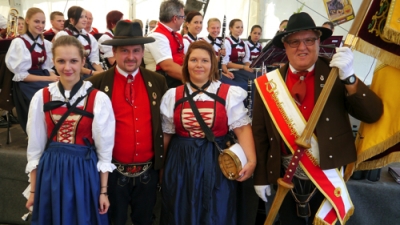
column 194, row 190
column 67, row 187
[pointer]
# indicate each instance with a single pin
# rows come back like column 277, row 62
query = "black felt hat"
column 299, row 22
column 127, row 33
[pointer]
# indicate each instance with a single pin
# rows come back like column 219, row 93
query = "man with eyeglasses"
column 283, row 104
column 165, row 55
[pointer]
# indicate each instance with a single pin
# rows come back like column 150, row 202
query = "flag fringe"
column 378, row 53
column 392, row 35
column 362, row 164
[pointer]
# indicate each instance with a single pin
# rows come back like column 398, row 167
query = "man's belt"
column 132, row 169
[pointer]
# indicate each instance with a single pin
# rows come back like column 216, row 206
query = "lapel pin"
column 150, row 84
column 106, row 89
column 322, row 78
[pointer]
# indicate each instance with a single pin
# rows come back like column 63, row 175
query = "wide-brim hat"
column 128, row 33
column 299, row 22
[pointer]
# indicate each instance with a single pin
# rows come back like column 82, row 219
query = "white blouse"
column 228, row 49
column 103, row 126
column 94, row 53
column 186, row 42
column 236, row 112
column 19, row 60
column 106, row 49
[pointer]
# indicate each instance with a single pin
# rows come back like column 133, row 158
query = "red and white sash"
column 290, row 123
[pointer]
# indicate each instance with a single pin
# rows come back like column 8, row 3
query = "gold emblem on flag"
column 338, row 192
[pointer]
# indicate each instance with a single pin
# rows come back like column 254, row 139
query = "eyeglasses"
column 180, row 17
column 307, row 41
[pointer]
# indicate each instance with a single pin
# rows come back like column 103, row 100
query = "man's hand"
column 343, row 60
column 263, row 191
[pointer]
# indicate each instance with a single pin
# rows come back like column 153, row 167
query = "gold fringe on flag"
column 374, row 139
column 376, row 52
column 391, row 31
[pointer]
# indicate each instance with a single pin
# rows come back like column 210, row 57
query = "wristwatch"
column 350, row 80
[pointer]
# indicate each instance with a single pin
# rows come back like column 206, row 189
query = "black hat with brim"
column 299, row 22
column 127, row 33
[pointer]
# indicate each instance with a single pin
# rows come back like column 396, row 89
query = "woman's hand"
column 247, row 68
column 222, row 52
column 228, row 74
column 29, row 203
column 53, row 77
column 246, row 171
column 104, row 203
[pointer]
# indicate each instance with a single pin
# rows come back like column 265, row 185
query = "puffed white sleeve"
column 237, row 113
column 37, row 131
column 48, row 64
column 186, row 44
column 247, row 55
column 160, row 49
column 105, row 49
column 60, row 33
column 103, row 130
column 167, row 111
column 94, row 53
column 228, row 51
column 18, row 59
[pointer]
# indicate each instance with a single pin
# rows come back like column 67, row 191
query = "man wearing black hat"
column 279, row 117
column 138, row 152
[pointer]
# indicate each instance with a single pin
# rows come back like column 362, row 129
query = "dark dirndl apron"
column 23, row 93
column 194, row 189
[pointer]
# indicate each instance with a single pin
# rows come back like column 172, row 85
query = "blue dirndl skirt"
column 194, row 190
column 67, row 186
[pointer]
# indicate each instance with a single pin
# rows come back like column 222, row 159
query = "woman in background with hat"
column 194, row 189
column 300, row 83
column 71, row 130
column 75, row 26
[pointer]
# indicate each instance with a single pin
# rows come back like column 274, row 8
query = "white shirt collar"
column 295, row 71
column 125, row 74
column 169, row 28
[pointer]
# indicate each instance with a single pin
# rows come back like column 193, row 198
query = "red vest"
column 75, row 127
column 87, row 48
column 177, row 56
column 238, row 52
column 308, row 103
column 38, row 58
column 212, row 112
column 133, row 133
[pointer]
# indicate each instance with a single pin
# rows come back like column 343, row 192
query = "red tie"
column 129, row 92
column 299, row 88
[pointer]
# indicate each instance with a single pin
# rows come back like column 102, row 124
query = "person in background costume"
column 75, row 26
column 29, row 58
column 194, row 24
